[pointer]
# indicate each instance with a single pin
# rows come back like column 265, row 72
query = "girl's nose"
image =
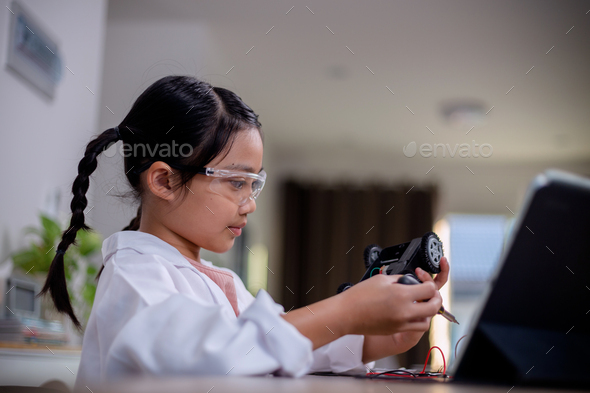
column 248, row 207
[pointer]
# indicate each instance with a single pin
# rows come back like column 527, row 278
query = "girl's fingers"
column 442, row 277
column 424, row 291
column 426, row 309
column 422, row 275
column 416, row 326
column 427, row 320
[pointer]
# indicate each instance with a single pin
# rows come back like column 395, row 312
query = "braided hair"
column 174, row 110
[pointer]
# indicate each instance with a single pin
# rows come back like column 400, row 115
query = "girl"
column 162, row 310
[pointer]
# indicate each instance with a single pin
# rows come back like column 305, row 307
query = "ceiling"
column 376, row 75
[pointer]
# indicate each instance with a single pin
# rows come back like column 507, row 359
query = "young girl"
column 162, row 310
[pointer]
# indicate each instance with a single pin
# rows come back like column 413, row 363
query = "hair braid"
column 55, row 283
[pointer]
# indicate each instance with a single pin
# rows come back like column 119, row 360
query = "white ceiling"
column 312, row 92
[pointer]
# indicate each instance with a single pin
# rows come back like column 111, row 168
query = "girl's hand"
column 380, row 306
column 403, row 341
column 441, row 278
column 377, row 347
column 375, row 307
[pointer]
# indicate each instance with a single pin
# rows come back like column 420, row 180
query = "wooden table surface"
column 310, row 383
column 39, row 347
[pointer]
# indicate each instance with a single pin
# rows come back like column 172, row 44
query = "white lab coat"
column 154, row 313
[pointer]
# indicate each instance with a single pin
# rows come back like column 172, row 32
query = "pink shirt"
column 223, row 279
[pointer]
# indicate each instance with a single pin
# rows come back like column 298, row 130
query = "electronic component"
column 425, row 253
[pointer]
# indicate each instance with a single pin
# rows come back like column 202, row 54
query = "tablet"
column 533, row 327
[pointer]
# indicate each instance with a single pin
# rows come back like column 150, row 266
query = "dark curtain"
column 327, row 229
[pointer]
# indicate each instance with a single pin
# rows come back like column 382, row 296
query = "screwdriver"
column 409, row 279
column 447, row 315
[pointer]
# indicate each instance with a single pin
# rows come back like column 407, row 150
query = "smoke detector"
column 464, row 113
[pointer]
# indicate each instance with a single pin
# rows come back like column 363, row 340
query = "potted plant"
column 79, row 270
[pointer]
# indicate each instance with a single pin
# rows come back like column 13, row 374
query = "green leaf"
column 25, row 259
column 91, row 271
column 88, row 242
column 52, row 230
column 88, row 293
column 32, row 230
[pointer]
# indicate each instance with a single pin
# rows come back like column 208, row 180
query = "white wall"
column 43, row 140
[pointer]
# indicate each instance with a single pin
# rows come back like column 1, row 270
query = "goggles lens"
column 239, row 187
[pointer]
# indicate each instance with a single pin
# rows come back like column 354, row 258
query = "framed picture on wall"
column 32, row 53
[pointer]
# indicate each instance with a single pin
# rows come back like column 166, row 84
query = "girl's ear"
column 159, row 180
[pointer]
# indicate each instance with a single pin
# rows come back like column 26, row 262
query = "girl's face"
column 207, row 219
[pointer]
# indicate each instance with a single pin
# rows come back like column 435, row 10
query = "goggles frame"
column 219, row 174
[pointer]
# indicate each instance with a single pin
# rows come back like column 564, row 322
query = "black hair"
column 177, row 110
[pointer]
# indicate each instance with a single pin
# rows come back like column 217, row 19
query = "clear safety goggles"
column 237, row 186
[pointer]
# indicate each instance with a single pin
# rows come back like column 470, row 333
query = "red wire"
column 423, row 370
column 456, row 345
column 443, row 356
column 402, row 375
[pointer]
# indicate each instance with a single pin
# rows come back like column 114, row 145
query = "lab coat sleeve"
column 170, row 333
column 343, row 355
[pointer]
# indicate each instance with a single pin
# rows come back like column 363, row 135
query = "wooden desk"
column 308, row 383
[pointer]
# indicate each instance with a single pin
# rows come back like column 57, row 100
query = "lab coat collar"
column 143, row 243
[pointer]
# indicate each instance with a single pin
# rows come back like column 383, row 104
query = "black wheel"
column 431, row 250
column 343, row 287
column 371, row 254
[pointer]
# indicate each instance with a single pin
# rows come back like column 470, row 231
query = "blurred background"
column 382, row 121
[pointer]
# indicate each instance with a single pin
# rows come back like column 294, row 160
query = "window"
column 473, row 243
column 476, row 243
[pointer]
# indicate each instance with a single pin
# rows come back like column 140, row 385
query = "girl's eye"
column 237, row 184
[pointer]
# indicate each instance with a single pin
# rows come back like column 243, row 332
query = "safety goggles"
column 237, row 186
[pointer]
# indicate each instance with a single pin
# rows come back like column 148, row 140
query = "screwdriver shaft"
column 447, row 315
